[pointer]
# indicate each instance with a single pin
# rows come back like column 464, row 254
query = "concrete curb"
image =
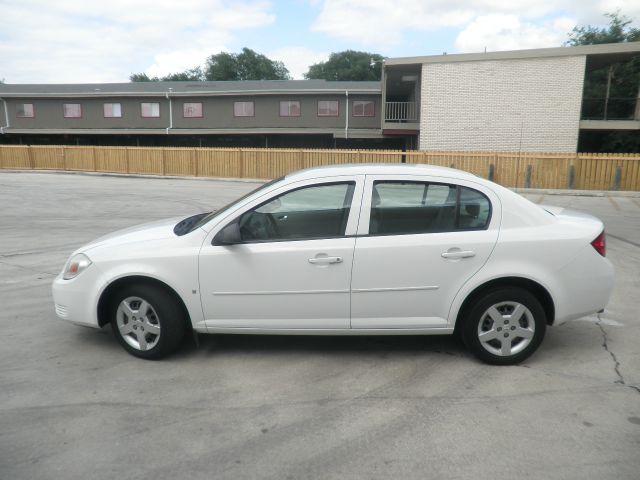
column 578, row 193
column 532, row 191
column 139, row 175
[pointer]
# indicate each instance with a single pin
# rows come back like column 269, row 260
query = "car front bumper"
column 76, row 300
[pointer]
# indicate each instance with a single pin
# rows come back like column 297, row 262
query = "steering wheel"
column 274, row 232
column 259, row 226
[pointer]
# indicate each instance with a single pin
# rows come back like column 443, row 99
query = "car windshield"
column 210, row 216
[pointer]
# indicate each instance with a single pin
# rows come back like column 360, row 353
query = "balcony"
column 401, row 117
column 400, row 112
column 611, row 109
column 610, row 114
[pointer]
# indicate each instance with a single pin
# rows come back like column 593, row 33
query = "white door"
column 418, row 242
column 292, row 268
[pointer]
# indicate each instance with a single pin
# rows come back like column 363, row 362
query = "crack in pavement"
column 29, row 269
column 623, row 240
column 616, row 363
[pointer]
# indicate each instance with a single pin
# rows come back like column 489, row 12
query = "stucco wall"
column 505, row 105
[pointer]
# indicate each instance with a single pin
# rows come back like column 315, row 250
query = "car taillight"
column 600, row 244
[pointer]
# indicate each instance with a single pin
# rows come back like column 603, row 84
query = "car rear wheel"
column 147, row 321
column 505, row 326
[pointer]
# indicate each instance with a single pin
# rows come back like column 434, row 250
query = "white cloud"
column 500, row 31
column 383, row 23
column 298, row 59
column 76, row 41
column 180, row 60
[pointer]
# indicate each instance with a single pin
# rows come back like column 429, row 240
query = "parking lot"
column 74, row 405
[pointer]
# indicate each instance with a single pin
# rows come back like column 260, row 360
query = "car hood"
column 157, row 230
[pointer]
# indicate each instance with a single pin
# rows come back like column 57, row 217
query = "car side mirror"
column 229, row 235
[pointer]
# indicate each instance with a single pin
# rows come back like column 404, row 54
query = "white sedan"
column 348, row 250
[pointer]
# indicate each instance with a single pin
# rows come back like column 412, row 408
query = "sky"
column 85, row 41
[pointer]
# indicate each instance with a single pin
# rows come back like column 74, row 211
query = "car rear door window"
column 318, row 211
column 400, row 208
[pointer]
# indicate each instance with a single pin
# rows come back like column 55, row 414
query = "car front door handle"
column 453, row 254
column 325, row 260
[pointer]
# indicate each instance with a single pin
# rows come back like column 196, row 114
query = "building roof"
column 253, row 87
column 620, row 50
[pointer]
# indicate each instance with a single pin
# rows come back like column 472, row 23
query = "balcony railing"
column 400, row 112
column 610, row 109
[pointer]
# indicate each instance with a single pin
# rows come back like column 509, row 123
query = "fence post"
column 93, row 157
column 241, row 156
column 31, row 160
column 194, row 156
column 618, row 178
column 571, row 177
column 164, row 162
column 528, row 179
column 64, row 157
column 491, row 169
column 127, row 158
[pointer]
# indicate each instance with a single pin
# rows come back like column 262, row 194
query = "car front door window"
column 318, row 211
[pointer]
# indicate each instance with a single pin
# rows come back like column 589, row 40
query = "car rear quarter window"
column 474, row 211
column 401, row 208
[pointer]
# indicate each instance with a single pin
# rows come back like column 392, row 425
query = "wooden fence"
column 583, row 171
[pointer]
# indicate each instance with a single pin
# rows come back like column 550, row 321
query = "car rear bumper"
column 586, row 284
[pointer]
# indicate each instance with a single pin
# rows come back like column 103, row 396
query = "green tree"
column 190, row 75
column 142, row 77
column 618, row 30
column 348, row 65
column 247, row 65
column 611, row 91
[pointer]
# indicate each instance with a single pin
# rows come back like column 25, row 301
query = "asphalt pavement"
column 74, row 405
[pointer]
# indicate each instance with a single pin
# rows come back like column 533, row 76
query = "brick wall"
column 502, row 105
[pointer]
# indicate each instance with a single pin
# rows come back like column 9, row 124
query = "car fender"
column 498, row 270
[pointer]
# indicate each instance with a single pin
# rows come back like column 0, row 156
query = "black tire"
column 508, row 330
column 165, row 316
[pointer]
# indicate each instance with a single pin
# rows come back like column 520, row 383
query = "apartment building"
column 290, row 113
column 525, row 100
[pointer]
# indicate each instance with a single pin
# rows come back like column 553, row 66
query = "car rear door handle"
column 458, row 254
column 325, row 260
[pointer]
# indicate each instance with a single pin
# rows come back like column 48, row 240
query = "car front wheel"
column 147, row 322
column 505, row 326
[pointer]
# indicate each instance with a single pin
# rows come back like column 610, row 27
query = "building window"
column 327, row 108
column 150, row 110
column 243, row 109
column 192, row 110
column 112, row 110
column 290, row 109
column 72, row 110
column 25, row 110
column 363, row 108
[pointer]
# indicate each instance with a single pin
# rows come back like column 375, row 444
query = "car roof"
column 381, row 169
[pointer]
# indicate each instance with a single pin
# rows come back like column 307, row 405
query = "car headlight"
column 75, row 266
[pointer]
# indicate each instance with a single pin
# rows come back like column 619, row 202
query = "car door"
column 292, row 268
column 419, row 240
